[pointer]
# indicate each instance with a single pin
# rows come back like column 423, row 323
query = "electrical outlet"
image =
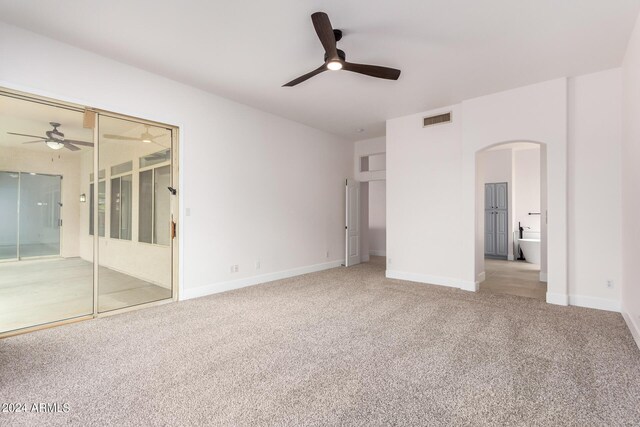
column 257, row 265
column 235, row 268
column 610, row 284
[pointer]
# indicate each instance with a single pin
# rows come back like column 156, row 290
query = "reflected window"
column 101, row 203
column 154, row 210
column 120, row 215
column 155, row 158
column 101, row 208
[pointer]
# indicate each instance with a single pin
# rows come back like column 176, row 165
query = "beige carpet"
column 339, row 347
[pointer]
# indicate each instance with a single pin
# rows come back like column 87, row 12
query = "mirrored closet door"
column 135, row 244
column 88, row 212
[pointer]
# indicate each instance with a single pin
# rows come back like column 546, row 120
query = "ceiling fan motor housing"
column 341, row 55
column 55, row 134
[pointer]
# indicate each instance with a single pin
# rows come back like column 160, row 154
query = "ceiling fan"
column 55, row 139
column 144, row 137
column 335, row 59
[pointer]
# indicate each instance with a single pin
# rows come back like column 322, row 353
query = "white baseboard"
column 433, row 280
column 634, row 326
column 378, row 253
column 482, row 277
column 557, row 299
column 510, row 258
column 597, row 303
column 543, row 276
column 215, row 288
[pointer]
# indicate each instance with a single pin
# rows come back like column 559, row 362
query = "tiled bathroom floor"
column 514, row 278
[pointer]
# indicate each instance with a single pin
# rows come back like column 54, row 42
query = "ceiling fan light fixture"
column 334, row 65
column 55, row 145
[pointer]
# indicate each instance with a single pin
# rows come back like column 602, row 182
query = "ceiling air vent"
column 437, row 120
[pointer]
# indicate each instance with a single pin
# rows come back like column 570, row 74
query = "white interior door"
column 352, row 230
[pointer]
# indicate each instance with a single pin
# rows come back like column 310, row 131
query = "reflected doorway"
column 31, row 221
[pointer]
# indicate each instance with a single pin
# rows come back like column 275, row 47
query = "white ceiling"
column 245, row 50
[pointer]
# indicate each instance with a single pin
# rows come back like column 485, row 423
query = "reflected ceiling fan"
column 55, row 139
column 144, row 137
column 335, row 59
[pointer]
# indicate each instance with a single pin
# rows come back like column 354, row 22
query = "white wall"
column 535, row 113
column 544, row 210
column 259, row 187
column 631, row 185
column 378, row 218
column 432, row 189
column 364, row 222
column 526, row 168
column 424, row 204
column 594, row 223
column 367, row 147
column 62, row 163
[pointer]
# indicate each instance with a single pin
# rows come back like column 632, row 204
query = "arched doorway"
column 510, row 215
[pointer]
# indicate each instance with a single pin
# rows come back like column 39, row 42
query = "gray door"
column 502, row 233
column 500, row 193
column 489, row 233
column 496, row 220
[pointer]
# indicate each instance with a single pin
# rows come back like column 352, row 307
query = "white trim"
column 482, row 277
column 597, row 303
column 510, row 258
column 633, row 326
column 543, row 276
column 218, row 287
column 433, row 280
column 378, row 253
column 557, row 299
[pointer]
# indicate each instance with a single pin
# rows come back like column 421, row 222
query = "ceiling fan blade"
column 24, row 134
column 120, row 137
column 71, row 147
column 372, row 70
column 84, row 143
column 325, row 33
column 33, row 142
column 307, row 76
